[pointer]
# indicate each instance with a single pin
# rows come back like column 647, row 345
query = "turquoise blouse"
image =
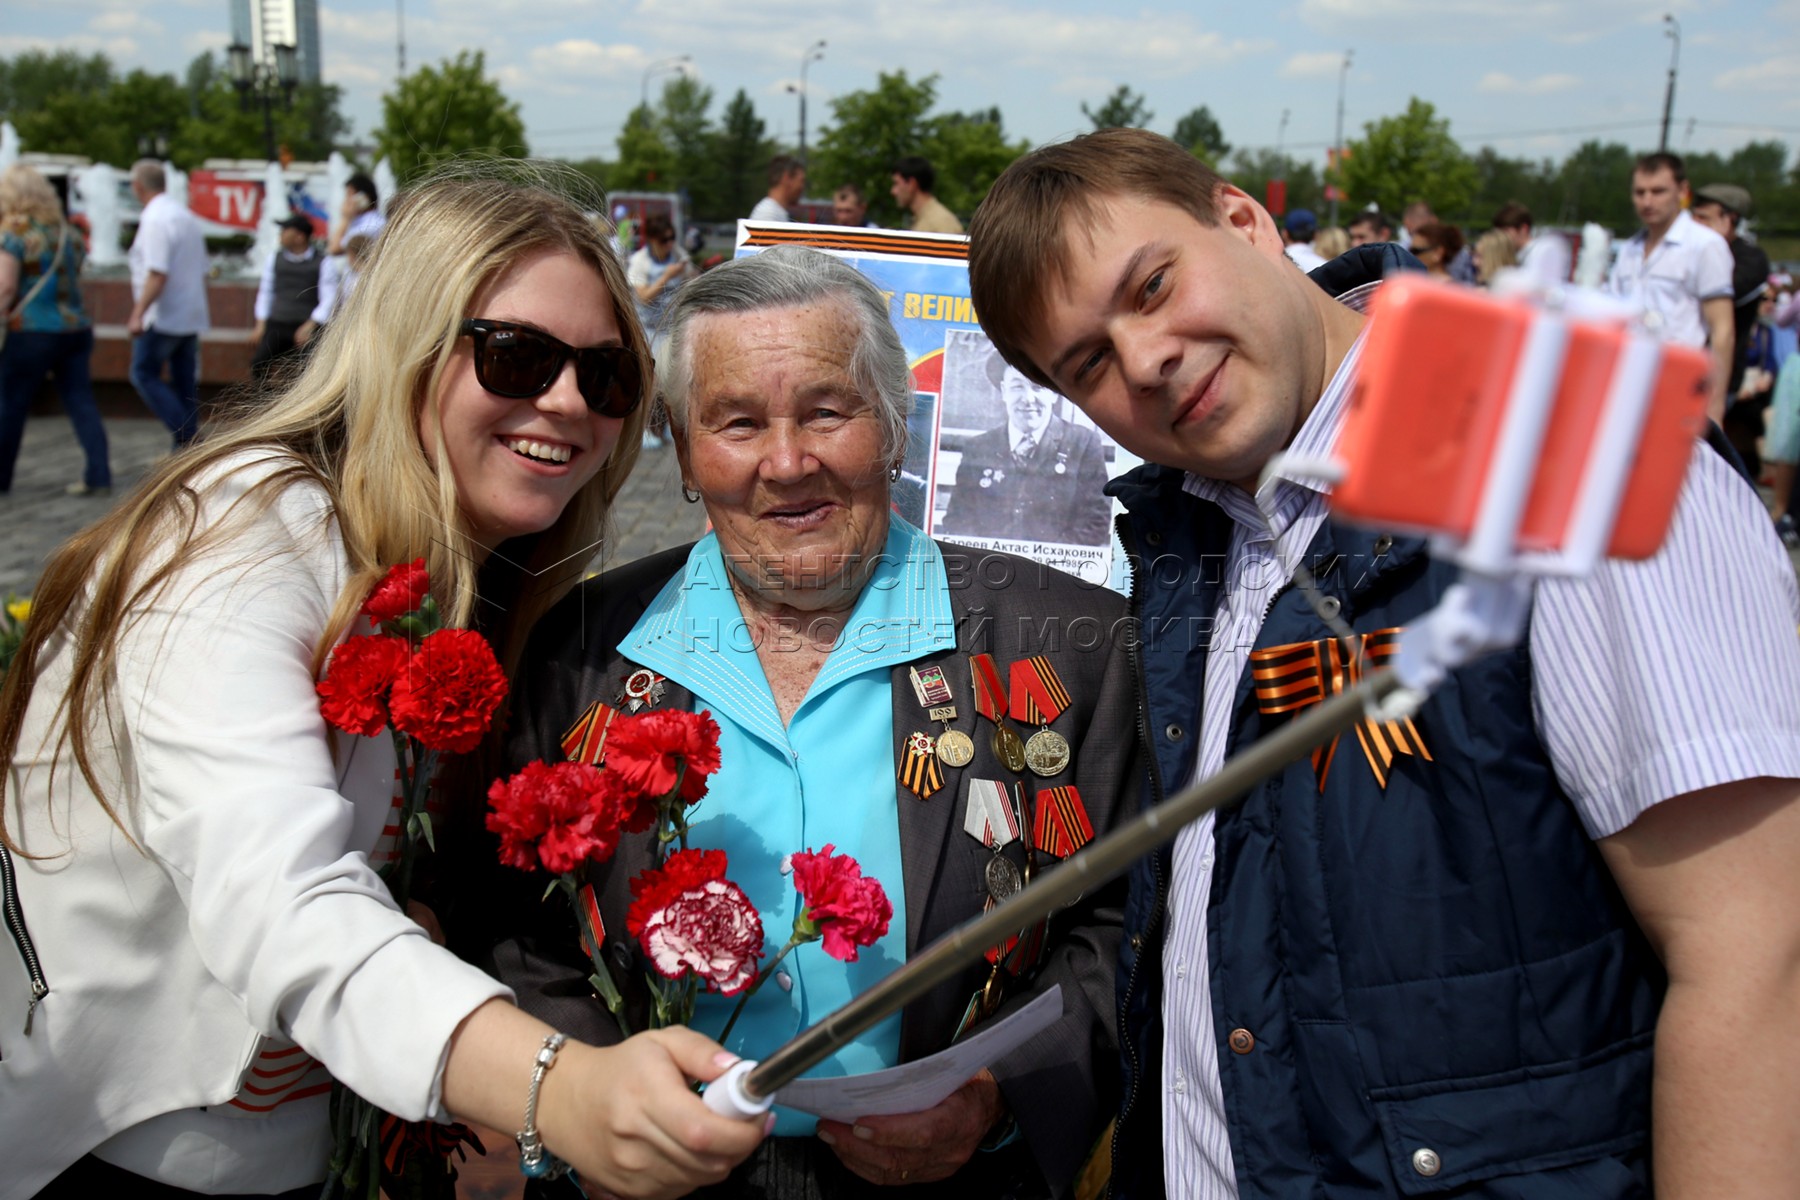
column 827, row 777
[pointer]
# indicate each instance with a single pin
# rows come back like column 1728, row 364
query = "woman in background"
column 48, row 333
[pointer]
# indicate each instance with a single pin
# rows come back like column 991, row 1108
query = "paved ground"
column 37, row 516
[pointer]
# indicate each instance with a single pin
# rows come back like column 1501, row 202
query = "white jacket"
column 255, row 913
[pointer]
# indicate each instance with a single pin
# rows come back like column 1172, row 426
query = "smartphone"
column 357, row 203
column 1438, row 364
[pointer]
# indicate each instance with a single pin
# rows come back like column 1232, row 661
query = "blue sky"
column 1530, row 77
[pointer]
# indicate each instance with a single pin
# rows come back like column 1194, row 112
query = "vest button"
column 1137, row 941
column 1173, row 732
column 1383, row 544
column 1427, row 1162
column 1153, row 538
column 1329, row 607
column 1241, row 1041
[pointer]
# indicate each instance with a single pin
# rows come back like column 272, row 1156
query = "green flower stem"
column 762, row 977
column 601, row 978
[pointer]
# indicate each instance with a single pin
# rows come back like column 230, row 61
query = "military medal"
column 990, row 819
column 954, row 747
column 585, row 740
column 990, row 702
column 1061, row 826
column 642, row 688
column 919, row 765
column 1038, row 698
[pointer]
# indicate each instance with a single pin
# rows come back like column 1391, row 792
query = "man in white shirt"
column 1542, row 256
column 168, row 281
column 787, row 183
column 1310, row 1003
column 1301, row 228
column 1678, row 269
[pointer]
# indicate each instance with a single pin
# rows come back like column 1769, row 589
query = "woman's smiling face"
column 786, row 452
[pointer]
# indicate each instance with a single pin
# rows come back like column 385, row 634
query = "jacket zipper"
column 15, row 924
column 1153, row 928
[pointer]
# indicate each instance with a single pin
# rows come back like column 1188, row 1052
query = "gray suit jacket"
column 1062, row 1087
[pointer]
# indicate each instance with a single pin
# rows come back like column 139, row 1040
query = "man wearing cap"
column 1301, row 228
column 287, row 294
column 1678, row 269
column 1035, row 477
column 1721, row 207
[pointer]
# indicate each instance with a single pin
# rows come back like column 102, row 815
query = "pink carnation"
column 711, row 930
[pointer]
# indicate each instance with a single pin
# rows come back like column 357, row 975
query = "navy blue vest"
column 1446, row 993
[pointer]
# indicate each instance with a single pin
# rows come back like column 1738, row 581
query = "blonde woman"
column 48, row 333
column 187, row 847
column 1494, row 252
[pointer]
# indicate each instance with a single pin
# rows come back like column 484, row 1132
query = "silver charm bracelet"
column 534, row 1160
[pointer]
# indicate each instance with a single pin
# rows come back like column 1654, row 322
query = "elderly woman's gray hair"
column 791, row 277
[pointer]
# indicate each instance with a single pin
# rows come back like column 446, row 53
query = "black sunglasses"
column 519, row 362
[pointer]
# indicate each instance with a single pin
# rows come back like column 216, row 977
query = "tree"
column 682, row 119
column 645, row 161
column 871, row 129
column 740, row 154
column 1124, row 109
column 1252, row 170
column 1199, row 131
column 446, row 111
column 29, row 81
column 1406, row 158
column 1595, row 185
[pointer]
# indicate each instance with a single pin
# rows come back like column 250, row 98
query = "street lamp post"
column 264, row 80
column 1671, row 28
column 1337, row 142
column 677, row 64
column 813, row 53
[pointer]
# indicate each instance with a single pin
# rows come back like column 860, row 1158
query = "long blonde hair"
column 350, row 423
column 24, row 192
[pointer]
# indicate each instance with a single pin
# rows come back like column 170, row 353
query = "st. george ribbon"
column 1560, row 457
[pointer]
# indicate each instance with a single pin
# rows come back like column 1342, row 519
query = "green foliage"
column 683, row 120
column 1199, row 131
column 1594, row 184
column 1252, row 170
column 66, row 104
column 447, row 111
column 870, row 129
column 1124, row 109
column 645, row 161
column 1406, row 158
column 740, row 155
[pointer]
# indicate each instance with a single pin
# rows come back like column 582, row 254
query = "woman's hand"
column 626, row 1117
column 919, row 1147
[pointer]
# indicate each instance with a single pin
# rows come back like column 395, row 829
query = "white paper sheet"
column 916, row 1086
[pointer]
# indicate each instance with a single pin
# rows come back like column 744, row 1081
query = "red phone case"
column 1425, row 414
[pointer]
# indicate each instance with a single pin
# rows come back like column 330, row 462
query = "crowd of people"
column 1540, row 940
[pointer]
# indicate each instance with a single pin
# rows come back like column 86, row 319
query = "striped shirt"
column 1631, row 693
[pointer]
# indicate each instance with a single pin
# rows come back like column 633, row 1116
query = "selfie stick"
column 1484, row 610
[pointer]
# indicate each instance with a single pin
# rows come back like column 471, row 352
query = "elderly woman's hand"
column 919, row 1147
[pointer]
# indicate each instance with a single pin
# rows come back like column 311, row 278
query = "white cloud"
column 1771, row 75
column 119, row 49
column 582, row 57
column 1543, row 85
column 124, row 21
column 1313, row 64
column 1559, row 21
column 202, row 40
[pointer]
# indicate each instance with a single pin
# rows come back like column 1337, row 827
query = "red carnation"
column 711, row 930
column 647, row 749
column 447, row 695
column 557, row 817
column 653, row 888
column 839, row 903
column 401, row 592
column 354, row 693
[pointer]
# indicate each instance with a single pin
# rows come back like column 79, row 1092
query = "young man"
column 1722, row 207
column 914, row 180
column 169, row 313
column 1370, row 227
column 1544, row 257
column 287, row 295
column 850, row 207
column 1678, row 269
column 1442, row 969
column 787, row 183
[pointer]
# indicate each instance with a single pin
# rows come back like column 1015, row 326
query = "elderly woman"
column 828, row 638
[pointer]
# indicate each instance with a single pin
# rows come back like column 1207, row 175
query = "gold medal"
column 955, row 748
column 1008, row 748
column 1047, row 753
